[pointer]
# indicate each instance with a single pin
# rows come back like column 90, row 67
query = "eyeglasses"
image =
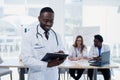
column 78, row 40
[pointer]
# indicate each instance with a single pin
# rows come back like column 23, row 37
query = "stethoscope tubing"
column 42, row 36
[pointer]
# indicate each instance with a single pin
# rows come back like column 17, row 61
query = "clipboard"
column 51, row 56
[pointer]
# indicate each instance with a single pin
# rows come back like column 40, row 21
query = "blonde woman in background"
column 77, row 52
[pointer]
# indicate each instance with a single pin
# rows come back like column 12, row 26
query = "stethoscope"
column 38, row 34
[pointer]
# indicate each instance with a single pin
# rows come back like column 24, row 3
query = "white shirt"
column 34, row 49
column 94, row 50
column 75, row 52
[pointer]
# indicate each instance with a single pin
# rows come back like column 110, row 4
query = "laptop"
column 105, row 59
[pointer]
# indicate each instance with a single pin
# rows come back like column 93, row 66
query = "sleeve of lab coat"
column 85, row 52
column 92, row 52
column 60, row 43
column 107, row 48
column 27, row 56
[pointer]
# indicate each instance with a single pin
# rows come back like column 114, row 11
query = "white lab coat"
column 33, row 50
column 75, row 51
column 94, row 50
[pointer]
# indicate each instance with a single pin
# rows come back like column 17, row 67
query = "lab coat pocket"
column 38, row 46
column 39, row 51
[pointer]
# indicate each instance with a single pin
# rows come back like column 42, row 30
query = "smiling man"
column 38, row 41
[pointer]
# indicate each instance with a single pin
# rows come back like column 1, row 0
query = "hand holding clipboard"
column 54, row 59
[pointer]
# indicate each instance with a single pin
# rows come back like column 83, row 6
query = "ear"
column 39, row 18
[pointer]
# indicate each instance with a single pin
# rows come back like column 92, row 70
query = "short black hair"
column 46, row 9
column 99, row 37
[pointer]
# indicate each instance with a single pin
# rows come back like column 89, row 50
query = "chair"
column 63, row 71
column 5, row 71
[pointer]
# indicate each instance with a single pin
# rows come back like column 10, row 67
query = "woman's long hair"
column 82, row 45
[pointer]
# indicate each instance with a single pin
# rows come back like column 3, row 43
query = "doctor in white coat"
column 95, row 53
column 38, row 41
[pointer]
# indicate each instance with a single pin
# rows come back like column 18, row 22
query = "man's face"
column 97, row 43
column 46, row 20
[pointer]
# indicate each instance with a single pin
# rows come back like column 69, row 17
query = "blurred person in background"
column 95, row 53
column 78, row 51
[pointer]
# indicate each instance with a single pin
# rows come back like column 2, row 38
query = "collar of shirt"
column 41, row 31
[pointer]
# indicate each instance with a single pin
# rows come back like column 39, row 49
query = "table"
column 11, row 63
column 14, row 63
column 83, row 64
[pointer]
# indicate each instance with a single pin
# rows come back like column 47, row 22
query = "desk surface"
column 66, row 64
column 12, row 63
column 82, row 64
